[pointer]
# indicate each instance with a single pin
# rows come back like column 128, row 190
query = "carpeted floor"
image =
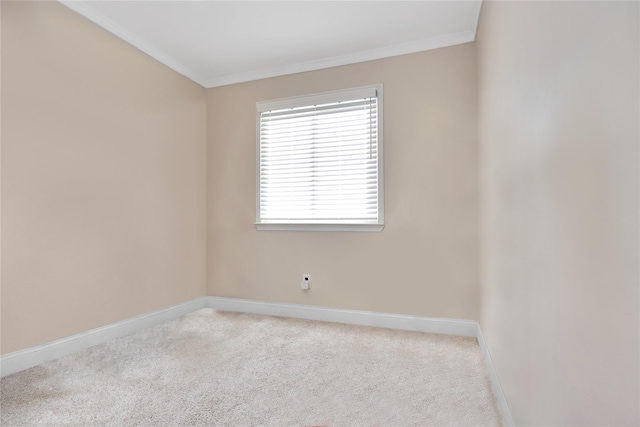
column 222, row 368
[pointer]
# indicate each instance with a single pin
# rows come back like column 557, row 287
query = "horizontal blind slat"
column 319, row 162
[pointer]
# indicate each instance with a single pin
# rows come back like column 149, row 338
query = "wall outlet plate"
column 306, row 282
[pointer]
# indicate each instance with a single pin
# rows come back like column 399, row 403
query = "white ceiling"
column 216, row 43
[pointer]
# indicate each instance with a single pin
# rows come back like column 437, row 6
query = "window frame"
column 318, row 98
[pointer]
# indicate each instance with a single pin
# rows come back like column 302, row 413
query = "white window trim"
column 305, row 100
column 320, row 227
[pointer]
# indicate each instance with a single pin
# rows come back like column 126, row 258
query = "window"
column 320, row 162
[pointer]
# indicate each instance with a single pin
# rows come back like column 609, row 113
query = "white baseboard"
column 501, row 399
column 27, row 358
column 465, row 328
column 24, row 359
column 435, row 325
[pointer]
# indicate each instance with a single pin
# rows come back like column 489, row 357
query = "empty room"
column 320, row 213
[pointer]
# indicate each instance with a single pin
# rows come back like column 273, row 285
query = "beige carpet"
column 222, row 368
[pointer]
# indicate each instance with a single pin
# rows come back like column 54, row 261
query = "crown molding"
column 109, row 25
column 477, row 20
column 215, row 81
column 354, row 58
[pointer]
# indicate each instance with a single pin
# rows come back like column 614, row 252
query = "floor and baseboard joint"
column 24, row 359
column 27, row 358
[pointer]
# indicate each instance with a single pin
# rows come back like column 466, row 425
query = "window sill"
column 320, row 227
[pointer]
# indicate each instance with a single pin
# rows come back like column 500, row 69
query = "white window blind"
column 319, row 159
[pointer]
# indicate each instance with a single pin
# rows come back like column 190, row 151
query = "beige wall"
column 104, row 153
column 425, row 262
column 559, row 132
column 103, row 178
